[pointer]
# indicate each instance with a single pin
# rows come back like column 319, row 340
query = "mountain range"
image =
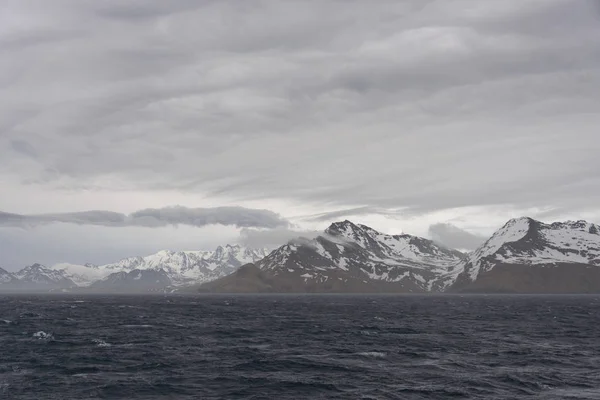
column 165, row 269
column 524, row 256
column 35, row 277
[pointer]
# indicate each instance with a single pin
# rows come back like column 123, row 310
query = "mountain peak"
column 34, row 275
column 342, row 226
column 5, row 276
column 35, row 267
column 348, row 229
column 359, row 234
column 356, row 254
column 520, row 221
column 526, row 241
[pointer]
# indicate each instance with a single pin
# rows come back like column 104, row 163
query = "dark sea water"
column 300, row 347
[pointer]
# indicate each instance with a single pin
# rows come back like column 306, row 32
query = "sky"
column 131, row 127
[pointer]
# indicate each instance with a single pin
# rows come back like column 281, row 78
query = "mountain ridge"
column 508, row 261
column 524, row 255
column 359, row 257
column 173, row 268
column 35, row 277
column 182, row 267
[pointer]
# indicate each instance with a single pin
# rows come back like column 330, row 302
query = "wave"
column 41, row 335
column 101, row 343
column 372, row 354
column 138, row 326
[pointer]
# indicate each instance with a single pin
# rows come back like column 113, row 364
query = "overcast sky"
column 129, row 127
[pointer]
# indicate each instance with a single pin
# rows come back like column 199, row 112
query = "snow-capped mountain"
column 528, row 255
column 350, row 257
column 5, row 276
column 524, row 255
column 181, row 267
column 82, row 275
column 35, row 277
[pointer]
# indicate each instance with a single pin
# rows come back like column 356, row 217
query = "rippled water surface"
column 298, row 347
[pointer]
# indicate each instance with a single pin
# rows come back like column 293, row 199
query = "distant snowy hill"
column 181, row 267
column 5, row 276
column 135, row 274
column 35, row 277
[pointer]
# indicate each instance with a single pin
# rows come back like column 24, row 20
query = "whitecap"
column 372, row 354
column 6, row 321
column 101, row 343
column 367, row 333
column 43, row 335
column 138, row 326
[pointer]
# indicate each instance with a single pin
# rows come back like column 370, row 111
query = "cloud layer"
column 407, row 114
column 455, row 238
column 152, row 218
column 408, row 104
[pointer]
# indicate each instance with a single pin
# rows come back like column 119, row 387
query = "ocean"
column 299, row 347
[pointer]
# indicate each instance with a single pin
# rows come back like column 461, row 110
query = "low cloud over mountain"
column 454, row 237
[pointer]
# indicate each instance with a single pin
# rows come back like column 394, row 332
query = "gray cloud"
column 356, row 211
column 413, row 106
column 23, row 147
column 154, row 217
column 401, row 105
column 452, row 236
column 272, row 238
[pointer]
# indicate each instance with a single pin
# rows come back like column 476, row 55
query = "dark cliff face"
column 136, row 281
column 247, row 279
column 537, row 279
column 251, row 279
